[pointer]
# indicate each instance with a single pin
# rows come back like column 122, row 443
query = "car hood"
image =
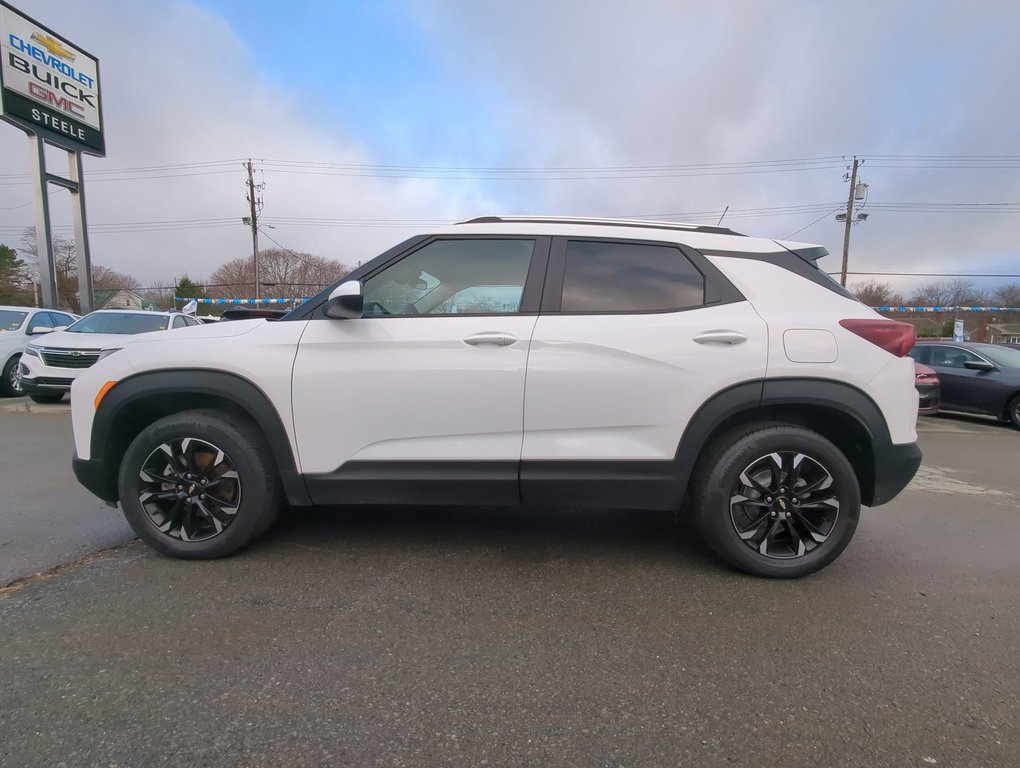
column 65, row 340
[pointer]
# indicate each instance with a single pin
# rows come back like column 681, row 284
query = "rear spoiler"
column 809, row 253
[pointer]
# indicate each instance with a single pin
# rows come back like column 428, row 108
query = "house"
column 123, row 299
column 1004, row 333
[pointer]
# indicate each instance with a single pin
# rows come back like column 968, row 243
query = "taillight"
column 891, row 335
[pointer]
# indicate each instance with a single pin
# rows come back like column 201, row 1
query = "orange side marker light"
column 102, row 393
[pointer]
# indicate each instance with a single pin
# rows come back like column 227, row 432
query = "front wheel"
column 776, row 500
column 10, row 384
column 199, row 484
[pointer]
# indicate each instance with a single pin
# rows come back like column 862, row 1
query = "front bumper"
column 93, row 475
column 895, row 467
column 45, row 385
column 928, row 398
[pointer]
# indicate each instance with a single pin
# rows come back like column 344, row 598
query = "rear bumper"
column 93, row 475
column 895, row 467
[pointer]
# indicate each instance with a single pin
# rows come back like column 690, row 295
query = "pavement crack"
column 20, row 583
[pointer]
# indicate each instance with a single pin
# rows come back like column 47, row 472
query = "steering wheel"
column 377, row 305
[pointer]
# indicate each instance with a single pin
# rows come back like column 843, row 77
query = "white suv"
column 19, row 326
column 50, row 366
column 524, row 361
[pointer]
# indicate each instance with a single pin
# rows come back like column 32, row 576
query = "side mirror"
column 60, row 328
column 978, row 365
column 346, row 302
column 40, row 331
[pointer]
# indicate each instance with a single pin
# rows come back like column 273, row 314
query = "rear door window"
column 614, row 277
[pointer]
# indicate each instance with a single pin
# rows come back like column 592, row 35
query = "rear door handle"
column 720, row 337
column 496, row 338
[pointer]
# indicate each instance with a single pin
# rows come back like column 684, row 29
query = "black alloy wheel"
column 189, row 489
column 775, row 499
column 784, row 505
column 199, row 484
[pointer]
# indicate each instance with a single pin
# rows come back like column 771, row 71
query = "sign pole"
column 81, row 232
column 43, row 239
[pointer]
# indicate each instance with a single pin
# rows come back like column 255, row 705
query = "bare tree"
column 106, row 279
column 283, row 274
column 948, row 293
column 1007, row 295
column 875, row 293
column 65, row 258
column 160, row 293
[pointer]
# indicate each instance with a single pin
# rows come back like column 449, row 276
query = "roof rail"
column 643, row 223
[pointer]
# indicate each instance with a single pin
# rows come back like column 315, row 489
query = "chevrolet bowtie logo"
column 53, row 45
column 782, row 503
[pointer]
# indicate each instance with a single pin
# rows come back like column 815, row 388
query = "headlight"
column 108, row 352
column 31, row 351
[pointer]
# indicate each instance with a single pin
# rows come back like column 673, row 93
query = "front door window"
column 453, row 277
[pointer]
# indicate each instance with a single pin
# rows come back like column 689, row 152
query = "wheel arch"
column 138, row 401
column 841, row 413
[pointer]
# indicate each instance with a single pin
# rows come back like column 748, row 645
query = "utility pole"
column 849, row 221
column 255, row 229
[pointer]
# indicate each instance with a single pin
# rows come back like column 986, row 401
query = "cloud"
column 180, row 87
column 649, row 83
column 576, row 84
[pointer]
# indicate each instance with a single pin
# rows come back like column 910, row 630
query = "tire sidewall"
column 1013, row 412
column 6, row 386
column 720, row 479
column 257, row 494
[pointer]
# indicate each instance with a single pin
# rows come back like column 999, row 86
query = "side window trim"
column 718, row 289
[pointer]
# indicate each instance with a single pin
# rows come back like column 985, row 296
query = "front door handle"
column 720, row 337
column 497, row 338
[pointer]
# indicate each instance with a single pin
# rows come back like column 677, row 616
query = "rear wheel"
column 199, row 484
column 10, row 384
column 55, row 397
column 776, row 500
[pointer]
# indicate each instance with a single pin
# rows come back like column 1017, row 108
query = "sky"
column 368, row 122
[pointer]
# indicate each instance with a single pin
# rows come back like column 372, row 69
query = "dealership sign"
column 49, row 86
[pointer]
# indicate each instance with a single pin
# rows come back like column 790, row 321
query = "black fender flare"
column 765, row 393
column 175, row 384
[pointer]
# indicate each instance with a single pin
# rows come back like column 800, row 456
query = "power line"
column 824, row 215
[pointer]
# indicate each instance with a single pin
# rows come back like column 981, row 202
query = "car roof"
column 695, row 235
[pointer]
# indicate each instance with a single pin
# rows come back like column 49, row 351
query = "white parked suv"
column 532, row 361
column 49, row 366
column 19, row 326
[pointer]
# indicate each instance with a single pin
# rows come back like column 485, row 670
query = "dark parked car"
column 926, row 381
column 975, row 378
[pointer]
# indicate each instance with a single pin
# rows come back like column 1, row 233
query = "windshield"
column 120, row 322
column 1007, row 357
column 11, row 320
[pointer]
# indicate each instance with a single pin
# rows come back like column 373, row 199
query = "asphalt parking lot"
column 498, row 637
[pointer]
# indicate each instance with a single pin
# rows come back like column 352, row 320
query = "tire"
column 213, row 451
column 774, row 532
column 10, row 384
column 1013, row 412
column 56, row 397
